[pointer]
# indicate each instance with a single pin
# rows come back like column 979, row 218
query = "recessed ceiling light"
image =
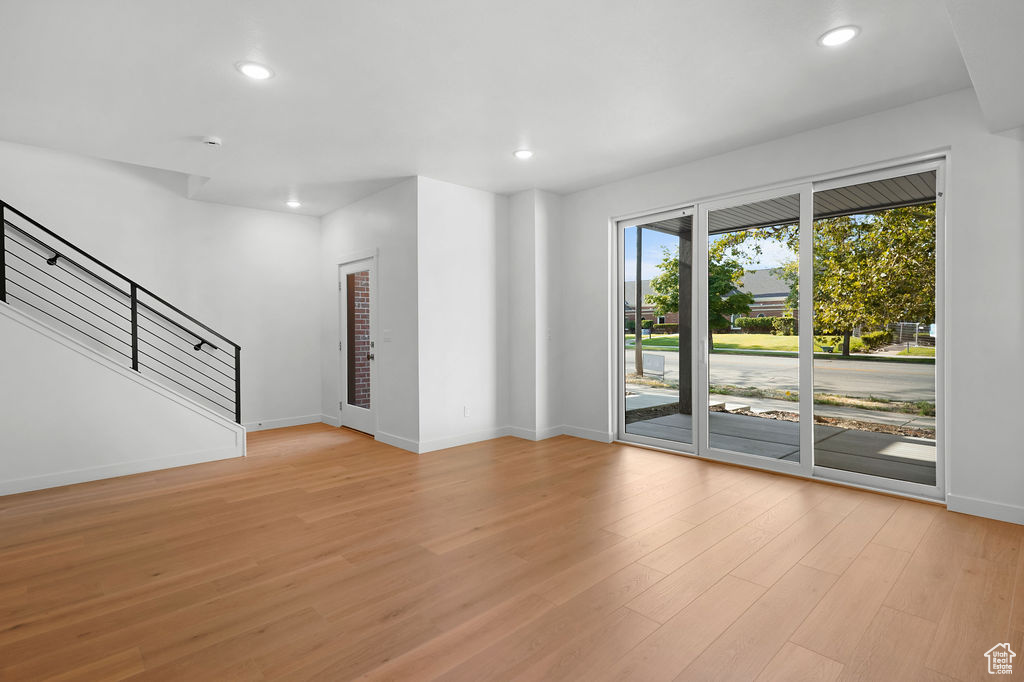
column 255, row 71
column 523, row 154
column 292, row 203
column 838, row 36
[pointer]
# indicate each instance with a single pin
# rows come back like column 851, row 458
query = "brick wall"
column 358, row 285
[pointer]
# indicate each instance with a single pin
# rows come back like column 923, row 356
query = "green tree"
column 725, row 297
column 869, row 270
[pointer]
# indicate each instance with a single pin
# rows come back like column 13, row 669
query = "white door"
column 357, row 284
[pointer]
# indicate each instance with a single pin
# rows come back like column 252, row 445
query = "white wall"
column 70, row 415
column 522, row 314
column 246, row 273
column 463, row 301
column 385, row 221
column 534, row 218
column 549, row 308
column 985, row 215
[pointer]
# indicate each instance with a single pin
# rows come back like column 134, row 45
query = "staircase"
column 100, row 376
column 56, row 282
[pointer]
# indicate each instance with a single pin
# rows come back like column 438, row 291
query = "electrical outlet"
column 465, row 410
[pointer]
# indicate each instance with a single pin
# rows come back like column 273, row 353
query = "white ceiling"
column 369, row 91
column 989, row 35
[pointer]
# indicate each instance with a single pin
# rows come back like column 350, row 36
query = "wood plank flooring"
column 325, row 555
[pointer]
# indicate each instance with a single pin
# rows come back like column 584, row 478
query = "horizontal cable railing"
column 45, row 275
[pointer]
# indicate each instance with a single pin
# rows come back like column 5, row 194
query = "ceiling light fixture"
column 523, row 154
column 255, row 71
column 838, row 36
column 292, row 203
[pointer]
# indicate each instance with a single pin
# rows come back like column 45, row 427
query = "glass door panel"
column 753, row 342
column 875, row 251
column 656, row 301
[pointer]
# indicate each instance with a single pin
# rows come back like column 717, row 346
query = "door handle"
column 369, row 356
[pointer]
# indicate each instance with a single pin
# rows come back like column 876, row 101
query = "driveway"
column 859, row 378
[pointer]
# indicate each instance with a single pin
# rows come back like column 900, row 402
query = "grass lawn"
column 753, row 342
column 730, row 341
column 660, row 340
column 756, row 342
column 918, row 350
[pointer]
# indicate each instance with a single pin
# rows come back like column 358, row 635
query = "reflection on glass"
column 874, row 326
column 658, row 299
column 753, row 366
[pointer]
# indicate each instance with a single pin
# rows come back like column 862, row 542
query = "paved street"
column 860, row 378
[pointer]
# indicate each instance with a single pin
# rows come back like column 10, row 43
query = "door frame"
column 619, row 403
column 806, row 337
column 363, row 420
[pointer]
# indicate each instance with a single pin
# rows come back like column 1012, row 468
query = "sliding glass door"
column 753, row 353
column 795, row 329
column 656, row 312
column 877, row 317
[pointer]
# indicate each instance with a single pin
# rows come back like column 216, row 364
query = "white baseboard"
column 330, row 421
column 589, row 434
column 21, row 485
column 520, row 432
column 477, row 436
column 397, row 441
column 532, row 434
column 550, row 432
column 1000, row 511
column 516, row 431
column 281, row 423
column 461, row 439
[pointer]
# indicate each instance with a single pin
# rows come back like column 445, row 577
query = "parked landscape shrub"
column 630, row 325
column 876, row 340
column 783, row 326
column 647, row 324
column 754, row 325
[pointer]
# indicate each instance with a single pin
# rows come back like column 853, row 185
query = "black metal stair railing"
column 46, row 276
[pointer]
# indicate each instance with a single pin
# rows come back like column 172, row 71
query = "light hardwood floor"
column 325, row 555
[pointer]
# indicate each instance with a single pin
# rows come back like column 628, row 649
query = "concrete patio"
column 878, row 454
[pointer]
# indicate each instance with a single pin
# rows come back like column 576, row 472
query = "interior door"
column 754, row 400
column 356, row 287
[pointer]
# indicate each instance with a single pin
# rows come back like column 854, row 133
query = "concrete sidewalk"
column 652, row 397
